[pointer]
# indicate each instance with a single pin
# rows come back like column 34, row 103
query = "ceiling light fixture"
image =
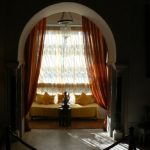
column 65, row 23
column 66, row 19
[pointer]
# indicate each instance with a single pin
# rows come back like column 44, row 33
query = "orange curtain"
column 33, row 55
column 95, row 54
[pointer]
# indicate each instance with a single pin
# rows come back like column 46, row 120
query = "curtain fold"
column 95, row 50
column 33, row 56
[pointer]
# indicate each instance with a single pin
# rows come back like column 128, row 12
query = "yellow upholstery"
column 41, row 110
column 45, row 99
column 51, row 99
column 85, row 111
column 39, row 98
column 92, row 98
column 83, row 99
column 85, row 107
column 77, row 111
column 60, row 98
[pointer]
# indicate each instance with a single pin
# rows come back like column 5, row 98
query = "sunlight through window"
column 63, row 61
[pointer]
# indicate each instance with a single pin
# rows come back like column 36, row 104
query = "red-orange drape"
column 33, row 55
column 95, row 54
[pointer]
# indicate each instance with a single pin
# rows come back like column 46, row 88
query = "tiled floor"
column 73, row 139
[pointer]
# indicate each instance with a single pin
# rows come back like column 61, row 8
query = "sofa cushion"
column 60, row 98
column 39, row 98
column 92, row 98
column 48, row 99
column 51, row 100
column 83, row 99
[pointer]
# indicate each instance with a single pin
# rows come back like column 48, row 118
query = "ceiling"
column 52, row 20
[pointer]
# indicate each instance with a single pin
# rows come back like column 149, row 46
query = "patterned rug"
column 75, row 124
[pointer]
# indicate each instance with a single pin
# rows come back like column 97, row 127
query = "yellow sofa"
column 81, row 108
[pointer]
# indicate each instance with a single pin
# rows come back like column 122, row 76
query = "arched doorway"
column 75, row 8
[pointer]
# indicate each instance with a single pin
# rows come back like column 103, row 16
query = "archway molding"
column 75, row 8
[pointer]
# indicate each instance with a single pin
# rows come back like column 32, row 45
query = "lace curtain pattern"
column 63, row 64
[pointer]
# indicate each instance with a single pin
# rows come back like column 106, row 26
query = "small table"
column 64, row 116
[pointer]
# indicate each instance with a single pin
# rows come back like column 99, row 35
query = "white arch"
column 70, row 7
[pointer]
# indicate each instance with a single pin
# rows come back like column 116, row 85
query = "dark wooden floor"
column 75, row 124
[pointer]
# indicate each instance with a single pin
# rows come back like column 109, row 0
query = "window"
column 63, row 63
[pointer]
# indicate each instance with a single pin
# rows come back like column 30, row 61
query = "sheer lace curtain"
column 63, row 64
